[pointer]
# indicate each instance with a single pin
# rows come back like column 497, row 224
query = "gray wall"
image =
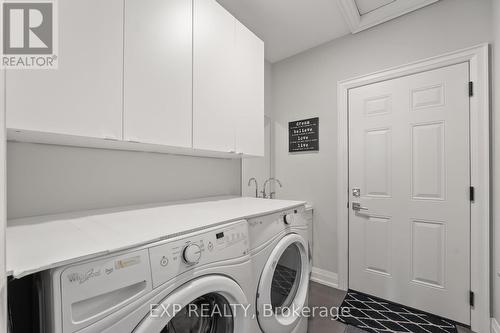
column 496, row 161
column 45, row 179
column 305, row 86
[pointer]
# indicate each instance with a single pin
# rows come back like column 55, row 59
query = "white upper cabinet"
column 84, row 95
column 158, row 72
column 213, row 85
column 228, row 96
column 249, row 95
column 179, row 76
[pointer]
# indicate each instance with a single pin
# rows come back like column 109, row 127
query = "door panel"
column 428, row 252
column 378, row 158
column 378, row 245
column 409, row 155
column 428, row 161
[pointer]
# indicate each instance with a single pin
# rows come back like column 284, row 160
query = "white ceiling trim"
column 383, row 14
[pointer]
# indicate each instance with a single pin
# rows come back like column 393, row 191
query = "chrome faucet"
column 256, row 186
column 264, row 194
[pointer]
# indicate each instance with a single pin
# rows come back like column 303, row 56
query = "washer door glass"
column 286, row 278
column 210, row 313
column 208, row 304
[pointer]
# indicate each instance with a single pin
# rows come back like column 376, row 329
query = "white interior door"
column 409, row 157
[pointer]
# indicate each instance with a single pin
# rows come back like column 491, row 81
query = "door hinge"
column 472, row 193
column 471, row 89
column 471, row 298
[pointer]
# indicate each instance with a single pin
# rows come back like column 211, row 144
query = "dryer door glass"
column 286, row 278
column 283, row 285
column 210, row 313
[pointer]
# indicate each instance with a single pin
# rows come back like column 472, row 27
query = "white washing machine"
column 280, row 251
column 195, row 283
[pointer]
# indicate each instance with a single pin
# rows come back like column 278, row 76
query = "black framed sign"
column 303, row 135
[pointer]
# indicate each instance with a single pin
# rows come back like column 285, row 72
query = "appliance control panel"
column 180, row 255
column 262, row 228
column 90, row 291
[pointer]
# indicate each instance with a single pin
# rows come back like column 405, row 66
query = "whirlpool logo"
column 84, row 277
column 29, row 35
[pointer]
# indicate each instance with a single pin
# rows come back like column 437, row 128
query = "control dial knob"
column 191, row 254
column 287, row 218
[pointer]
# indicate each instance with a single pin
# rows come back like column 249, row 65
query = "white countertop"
column 38, row 243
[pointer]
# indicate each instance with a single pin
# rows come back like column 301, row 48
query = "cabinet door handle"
column 133, row 140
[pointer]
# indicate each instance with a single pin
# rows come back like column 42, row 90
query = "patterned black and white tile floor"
column 376, row 315
column 321, row 295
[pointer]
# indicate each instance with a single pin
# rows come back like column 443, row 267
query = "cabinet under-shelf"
column 26, row 136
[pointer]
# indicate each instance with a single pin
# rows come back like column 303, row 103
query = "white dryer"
column 280, row 251
column 194, row 283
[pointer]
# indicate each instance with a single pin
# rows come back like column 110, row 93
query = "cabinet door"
column 158, row 72
column 213, row 94
column 84, row 95
column 249, row 85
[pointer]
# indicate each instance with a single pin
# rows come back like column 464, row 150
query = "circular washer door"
column 211, row 304
column 283, row 286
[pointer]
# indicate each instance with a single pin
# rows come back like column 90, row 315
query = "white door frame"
column 478, row 59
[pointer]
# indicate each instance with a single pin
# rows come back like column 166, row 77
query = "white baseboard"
column 495, row 327
column 326, row 277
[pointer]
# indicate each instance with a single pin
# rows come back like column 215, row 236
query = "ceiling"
column 289, row 27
